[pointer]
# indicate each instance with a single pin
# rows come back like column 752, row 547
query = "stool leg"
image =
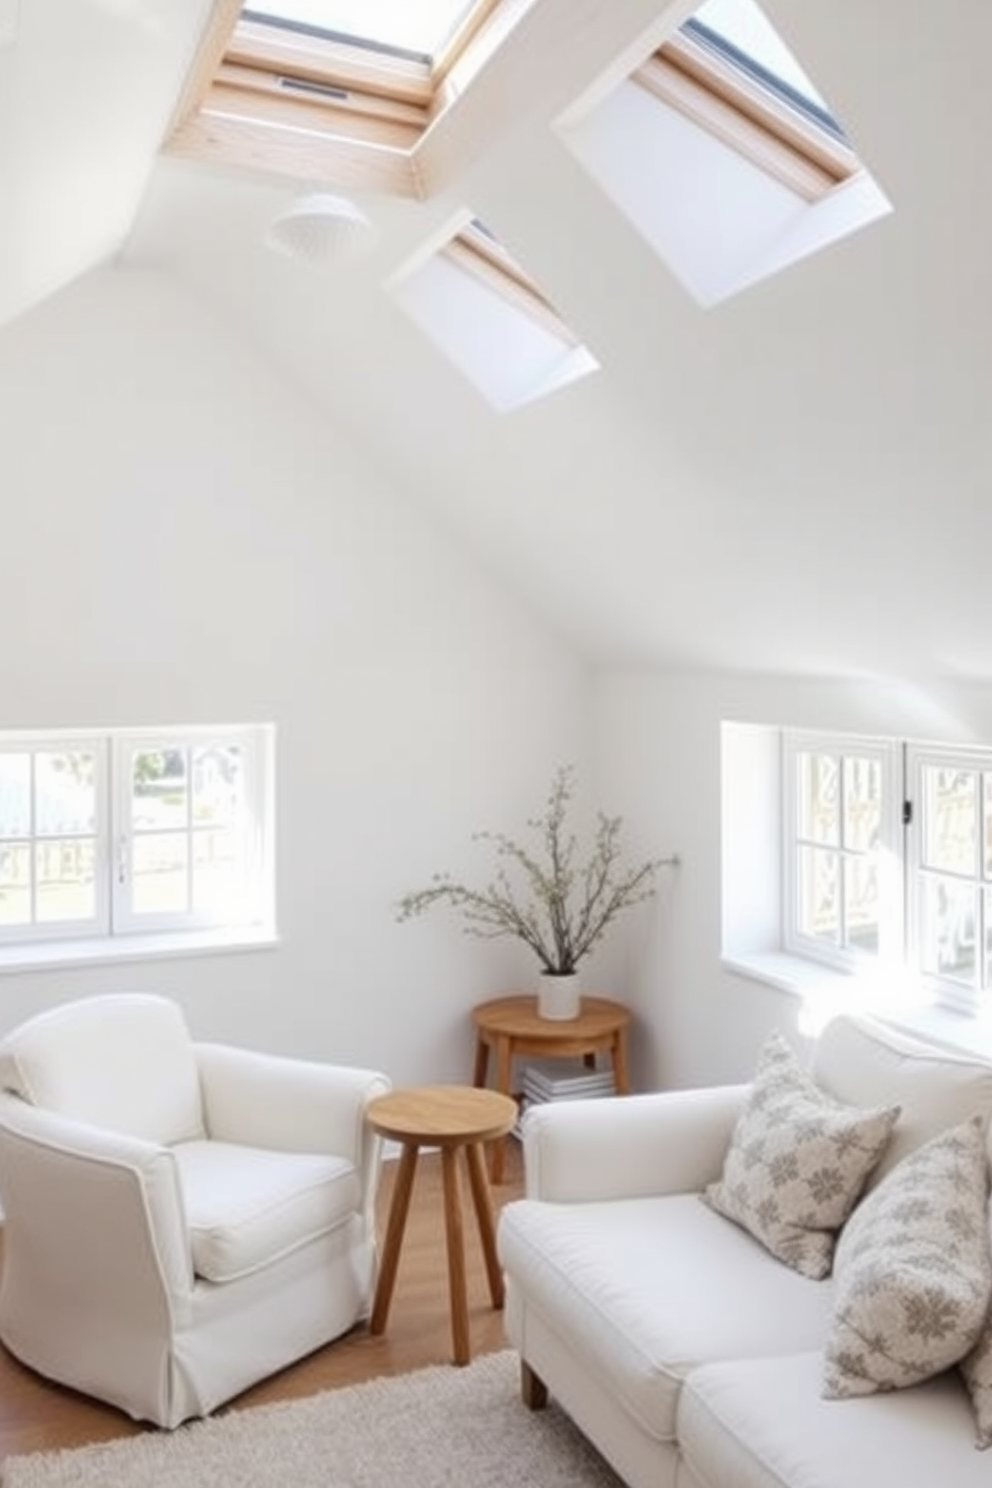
column 398, row 1210
column 484, row 1214
column 455, row 1236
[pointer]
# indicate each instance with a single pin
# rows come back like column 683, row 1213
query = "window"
column 888, row 860
column 123, row 833
column 842, row 826
column 722, row 154
column 481, row 308
column 328, row 90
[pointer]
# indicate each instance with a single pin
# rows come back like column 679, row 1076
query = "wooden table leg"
column 484, row 1214
column 504, row 1065
column 621, row 1076
column 481, row 1062
column 398, row 1210
column 455, row 1237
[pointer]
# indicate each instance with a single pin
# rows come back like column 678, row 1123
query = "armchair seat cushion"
column 248, row 1206
column 617, row 1283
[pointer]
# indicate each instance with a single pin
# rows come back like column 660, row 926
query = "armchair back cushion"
column 123, row 1062
column 863, row 1063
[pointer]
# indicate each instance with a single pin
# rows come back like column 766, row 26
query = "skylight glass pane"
column 744, row 28
column 422, row 27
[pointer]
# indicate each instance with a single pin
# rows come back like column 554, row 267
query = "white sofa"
column 181, row 1219
column 681, row 1347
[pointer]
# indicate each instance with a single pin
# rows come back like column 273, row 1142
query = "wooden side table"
column 449, row 1117
column 511, row 1026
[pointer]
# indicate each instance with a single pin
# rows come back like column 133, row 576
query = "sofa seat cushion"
column 248, row 1206
column 644, row 1290
column 763, row 1423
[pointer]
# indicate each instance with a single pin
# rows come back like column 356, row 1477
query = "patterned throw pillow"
column 913, row 1270
column 797, row 1162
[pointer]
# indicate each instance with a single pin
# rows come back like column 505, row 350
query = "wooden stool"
column 449, row 1117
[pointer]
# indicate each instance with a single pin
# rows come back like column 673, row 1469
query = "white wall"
column 181, row 541
column 658, row 750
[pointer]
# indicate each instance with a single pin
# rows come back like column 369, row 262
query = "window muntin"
column 113, row 834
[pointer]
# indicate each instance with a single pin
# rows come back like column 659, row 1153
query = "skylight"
column 336, row 90
column 722, row 153
column 473, row 299
column 420, row 28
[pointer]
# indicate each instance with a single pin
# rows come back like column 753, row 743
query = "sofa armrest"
column 630, row 1146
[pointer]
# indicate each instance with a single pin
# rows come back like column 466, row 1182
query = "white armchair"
column 181, row 1219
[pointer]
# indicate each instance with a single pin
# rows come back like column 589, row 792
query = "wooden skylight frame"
column 746, row 115
column 265, row 96
column 478, row 253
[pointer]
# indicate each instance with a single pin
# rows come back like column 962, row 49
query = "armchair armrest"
column 630, row 1146
column 289, row 1105
column 94, row 1215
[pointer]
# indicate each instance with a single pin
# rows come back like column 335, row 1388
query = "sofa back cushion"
column 863, row 1062
column 122, row 1061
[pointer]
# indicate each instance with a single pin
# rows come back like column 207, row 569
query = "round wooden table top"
column 442, row 1115
column 517, row 1016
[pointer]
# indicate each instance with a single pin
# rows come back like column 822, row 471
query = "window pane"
column 15, row 795
column 218, row 785
column 861, row 904
column 217, row 880
column 65, row 792
column 819, row 901
column 160, row 873
column 159, row 796
column 862, row 803
column 64, row 871
column 950, row 820
column 948, row 929
column 15, row 885
column 819, row 809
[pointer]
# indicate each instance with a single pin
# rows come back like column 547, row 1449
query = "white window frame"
column 65, row 743
column 115, row 926
column 888, row 853
column 967, row 997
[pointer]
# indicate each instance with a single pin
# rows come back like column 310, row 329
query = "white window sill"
column 894, row 998
column 102, row 951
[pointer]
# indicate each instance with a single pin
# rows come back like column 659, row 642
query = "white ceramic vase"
column 558, row 997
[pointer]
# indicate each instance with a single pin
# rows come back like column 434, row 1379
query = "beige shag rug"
column 438, row 1428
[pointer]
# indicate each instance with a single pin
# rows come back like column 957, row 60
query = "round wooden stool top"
column 442, row 1115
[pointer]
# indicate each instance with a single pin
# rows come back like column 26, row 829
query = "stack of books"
column 561, row 1079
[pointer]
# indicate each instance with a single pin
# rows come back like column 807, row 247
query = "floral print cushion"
column 798, row 1162
column 913, row 1270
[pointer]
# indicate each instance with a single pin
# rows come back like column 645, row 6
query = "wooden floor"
column 37, row 1415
